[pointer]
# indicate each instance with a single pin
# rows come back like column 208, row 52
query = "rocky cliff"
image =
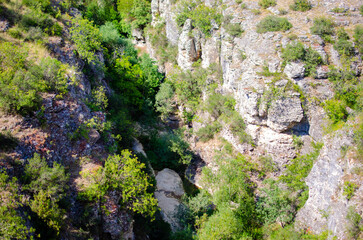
column 277, row 100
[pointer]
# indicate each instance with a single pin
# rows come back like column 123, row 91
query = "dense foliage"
column 21, row 81
column 123, row 174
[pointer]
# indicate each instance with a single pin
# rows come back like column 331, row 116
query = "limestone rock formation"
column 295, row 70
column 327, row 206
column 169, row 189
column 284, row 113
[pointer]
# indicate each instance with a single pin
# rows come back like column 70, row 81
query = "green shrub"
column 301, row 5
column 338, row 10
column 201, row 15
column 13, row 226
column 256, row 11
column 343, row 46
column 275, row 204
column 336, row 110
column 323, row 27
column 361, row 10
column 267, row 3
column 48, row 185
column 44, row 5
column 141, row 13
column 138, row 12
column 283, row 11
column 164, row 100
column 267, row 164
column 86, row 38
column 166, row 150
column 234, row 29
column 125, row 175
column 297, row 171
column 219, row 104
column 233, row 190
column 100, row 12
column 293, row 52
column 358, row 37
column 34, row 34
column 358, row 136
column 109, row 34
column 206, row 133
column 349, row 189
column 99, row 101
column 15, row 32
column 37, row 18
column 237, row 127
column 297, row 51
column 355, row 227
column 21, row 81
column 273, row 24
column 189, row 85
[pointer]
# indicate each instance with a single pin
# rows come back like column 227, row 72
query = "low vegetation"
column 267, row 3
column 301, row 5
column 324, row 27
column 201, row 15
column 273, row 24
column 297, row 52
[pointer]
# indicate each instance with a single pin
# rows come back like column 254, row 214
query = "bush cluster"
column 21, row 81
column 202, row 17
column 323, row 27
column 273, row 24
column 342, row 45
column 301, row 5
column 267, row 3
column 297, row 52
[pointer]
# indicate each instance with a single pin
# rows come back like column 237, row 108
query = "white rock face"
column 327, row 207
column 295, row 70
column 279, row 145
column 189, row 48
column 169, row 189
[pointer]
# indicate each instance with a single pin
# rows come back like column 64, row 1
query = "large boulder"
column 169, row 189
column 284, row 113
column 295, row 70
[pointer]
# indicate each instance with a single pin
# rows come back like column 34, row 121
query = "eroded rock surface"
column 284, row 113
column 169, row 189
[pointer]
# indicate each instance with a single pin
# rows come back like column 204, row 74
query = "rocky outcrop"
column 284, row 113
column 327, row 206
column 271, row 121
column 295, row 70
column 169, row 190
column 189, row 46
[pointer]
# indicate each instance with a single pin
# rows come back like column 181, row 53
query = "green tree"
column 86, row 38
column 164, row 101
column 224, row 224
column 124, row 174
column 275, row 204
column 12, row 224
column 48, row 185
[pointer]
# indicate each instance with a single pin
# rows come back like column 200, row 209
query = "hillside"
column 181, row 119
